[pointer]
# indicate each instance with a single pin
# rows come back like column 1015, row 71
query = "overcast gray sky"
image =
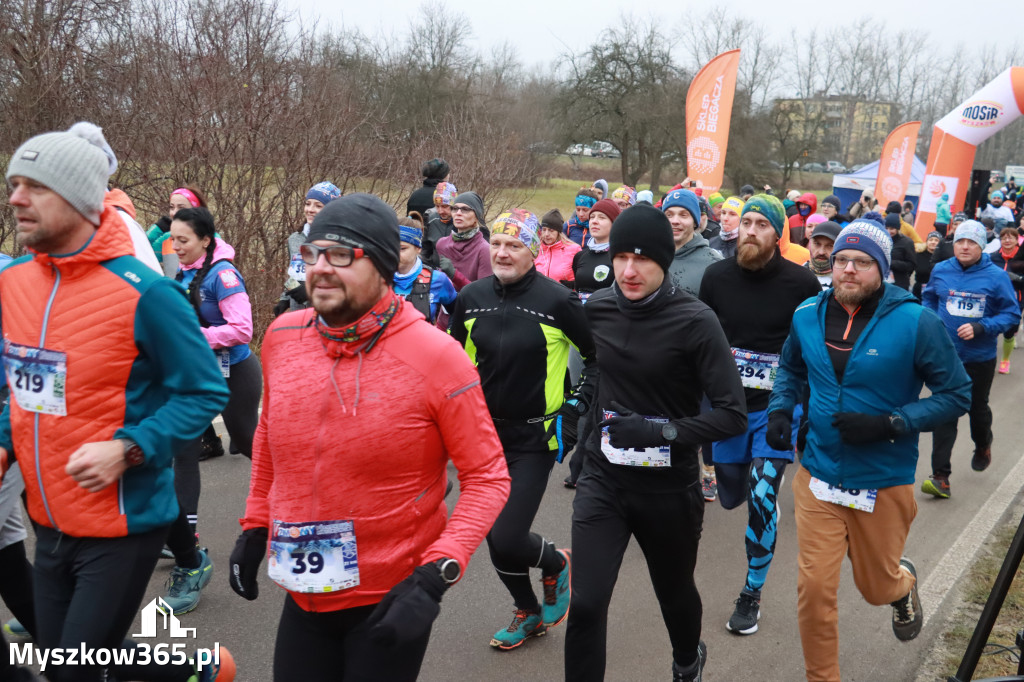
column 541, row 29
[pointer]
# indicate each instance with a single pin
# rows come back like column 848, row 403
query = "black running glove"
column 246, row 558
column 408, row 610
column 631, row 430
column 857, row 428
column 779, row 434
column 565, row 426
column 282, row 306
column 299, row 294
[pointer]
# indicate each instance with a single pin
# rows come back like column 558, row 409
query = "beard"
column 754, row 256
column 854, row 297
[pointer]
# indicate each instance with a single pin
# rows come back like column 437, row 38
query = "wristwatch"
column 581, row 408
column 133, row 454
column 897, row 424
column 669, row 432
column 449, row 569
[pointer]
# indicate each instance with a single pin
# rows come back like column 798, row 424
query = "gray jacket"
column 689, row 263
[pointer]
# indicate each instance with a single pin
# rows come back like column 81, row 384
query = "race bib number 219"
column 37, row 378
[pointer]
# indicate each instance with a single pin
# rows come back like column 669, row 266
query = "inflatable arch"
column 956, row 137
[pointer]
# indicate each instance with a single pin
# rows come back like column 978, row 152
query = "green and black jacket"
column 519, row 336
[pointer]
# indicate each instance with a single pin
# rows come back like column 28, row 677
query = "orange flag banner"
column 896, row 162
column 708, row 115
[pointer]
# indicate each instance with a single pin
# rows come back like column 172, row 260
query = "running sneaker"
column 525, row 624
column 693, row 672
column 185, row 585
column 907, row 617
column 15, row 630
column 1004, row 367
column 224, row 671
column 709, row 484
column 982, row 458
column 557, row 590
column 744, row 618
column 937, row 486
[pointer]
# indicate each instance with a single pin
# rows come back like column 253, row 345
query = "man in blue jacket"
column 863, row 348
column 976, row 302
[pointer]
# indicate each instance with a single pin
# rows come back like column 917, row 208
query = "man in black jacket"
column 434, row 172
column 904, row 259
column 659, row 351
column 754, row 296
column 517, row 326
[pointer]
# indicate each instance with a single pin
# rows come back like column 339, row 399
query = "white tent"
column 848, row 187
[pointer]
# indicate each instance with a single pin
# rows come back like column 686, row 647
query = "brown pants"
column 874, row 542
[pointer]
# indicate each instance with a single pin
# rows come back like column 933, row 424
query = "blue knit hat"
column 410, row 235
column 323, row 192
column 868, row 236
column 684, row 198
column 973, row 230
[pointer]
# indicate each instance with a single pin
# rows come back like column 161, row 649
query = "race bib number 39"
column 635, row 457
column 965, row 304
column 314, row 557
column 757, row 370
column 37, row 378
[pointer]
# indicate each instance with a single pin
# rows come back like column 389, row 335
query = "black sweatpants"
column 667, row 526
column 980, row 414
column 181, row 536
column 333, row 646
column 514, row 549
column 88, row 591
column 241, row 414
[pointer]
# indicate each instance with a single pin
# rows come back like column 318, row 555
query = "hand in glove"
column 779, row 434
column 631, row 430
column 245, row 560
column 408, row 610
column 281, row 307
column 299, row 294
column 857, row 428
column 565, row 426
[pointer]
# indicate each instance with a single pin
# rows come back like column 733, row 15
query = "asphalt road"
column 638, row 647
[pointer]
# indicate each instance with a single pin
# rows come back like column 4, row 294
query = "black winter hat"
column 645, row 231
column 553, row 219
column 893, row 207
column 892, row 220
column 833, row 200
column 435, row 169
column 361, row 221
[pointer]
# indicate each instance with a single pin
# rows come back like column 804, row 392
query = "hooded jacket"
column 793, row 252
column 955, row 294
column 225, row 312
column 555, row 261
column 797, row 221
column 366, row 437
column 689, row 263
column 902, row 348
column 136, row 367
column 141, row 246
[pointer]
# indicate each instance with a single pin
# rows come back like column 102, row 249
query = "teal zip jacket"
column 903, row 347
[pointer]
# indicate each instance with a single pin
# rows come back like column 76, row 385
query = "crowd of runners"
column 679, row 350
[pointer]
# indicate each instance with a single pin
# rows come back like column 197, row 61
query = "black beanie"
column 361, row 221
column 832, row 200
column 893, row 220
column 553, row 219
column 645, row 231
column 893, row 207
column 435, row 169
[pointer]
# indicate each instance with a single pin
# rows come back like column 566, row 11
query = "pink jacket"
column 236, row 308
column 555, row 261
column 372, row 446
column 472, row 258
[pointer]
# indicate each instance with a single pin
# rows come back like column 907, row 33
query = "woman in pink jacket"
column 554, row 259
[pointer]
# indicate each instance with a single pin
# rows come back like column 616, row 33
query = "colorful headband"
column 410, row 235
column 444, row 194
column 522, row 225
column 585, row 201
column 625, row 192
column 189, row 196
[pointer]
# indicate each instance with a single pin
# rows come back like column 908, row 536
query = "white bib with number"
column 965, row 304
column 224, row 360
column 863, row 500
column 319, row 556
column 37, row 377
column 584, row 295
column 757, row 370
column 635, row 457
column 297, row 269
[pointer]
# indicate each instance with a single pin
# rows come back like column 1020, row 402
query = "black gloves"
column 298, row 294
column 249, row 551
column 408, row 610
column 632, row 430
column 281, row 307
column 565, row 426
column 448, row 268
column 779, row 435
column 857, row 428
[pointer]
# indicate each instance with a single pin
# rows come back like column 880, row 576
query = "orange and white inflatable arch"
column 957, row 136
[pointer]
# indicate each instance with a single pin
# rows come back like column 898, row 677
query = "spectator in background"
column 725, row 242
column 645, row 196
column 812, row 222
column 438, row 222
column 904, row 260
column 806, row 204
column 906, row 229
column 746, row 191
column 909, row 215
column 995, row 210
column 830, row 207
column 942, row 213
column 923, row 271
column 434, row 172
column 863, row 205
column 716, row 200
column 790, row 202
column 554, row 259
column 602, row 188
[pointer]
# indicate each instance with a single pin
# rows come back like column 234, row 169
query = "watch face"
column 134, row 456
column 669, row 432
column 450, row 570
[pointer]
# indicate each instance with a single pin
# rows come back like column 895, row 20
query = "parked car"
column 574, row 150
column 856, row 168
column 813, row 168
column 834, row 167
